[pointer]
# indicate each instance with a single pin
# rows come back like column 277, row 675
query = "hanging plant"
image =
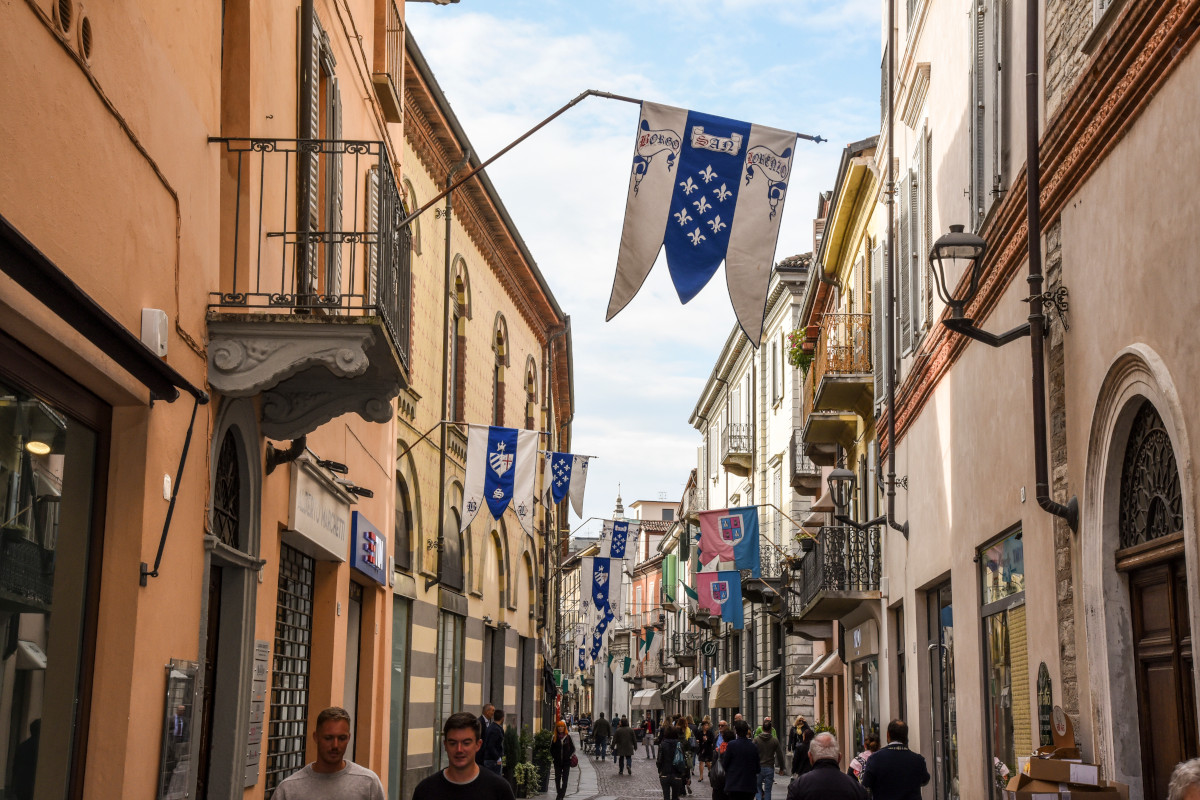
column 797, row 356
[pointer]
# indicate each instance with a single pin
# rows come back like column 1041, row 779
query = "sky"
column 811, row 66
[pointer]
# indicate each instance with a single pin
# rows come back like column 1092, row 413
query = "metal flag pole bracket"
column 574, row 102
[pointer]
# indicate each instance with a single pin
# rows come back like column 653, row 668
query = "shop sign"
column 863, row 641
column 319, row 518
column 368, row 553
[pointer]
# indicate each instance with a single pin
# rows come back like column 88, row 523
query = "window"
column 287, row 731
column 878, row 304
column 448, row 691
column 320, row 200
column 1006, row 658
column 990, row 104
column 668, row 514
column 531, row 394
column 401, row 539
column 401, row 610
column 500, row 348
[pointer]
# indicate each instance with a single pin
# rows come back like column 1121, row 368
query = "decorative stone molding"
column 308, row 369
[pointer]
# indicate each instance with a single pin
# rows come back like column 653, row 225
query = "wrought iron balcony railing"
column 737, row 439
column 805, row 474
column 844, row 346
column 843, row 560
column 314, row 231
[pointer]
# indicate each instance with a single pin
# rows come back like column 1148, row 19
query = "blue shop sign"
column 368, row 549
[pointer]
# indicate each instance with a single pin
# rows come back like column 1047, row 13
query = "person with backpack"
column 672, row 766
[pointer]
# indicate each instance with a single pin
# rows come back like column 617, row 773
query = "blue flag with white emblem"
column 501, row 465
column 708, row 189
column 616, row 537
column 603, row 588
column 566, row 475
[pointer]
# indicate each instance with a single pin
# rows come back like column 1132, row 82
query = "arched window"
column 412, row 203
column 500, row 348
column 531, row 394
column 402, row 546
column 227, row 494
column 1151, row 500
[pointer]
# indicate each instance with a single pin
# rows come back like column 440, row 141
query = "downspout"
column 1037, row 320
column 441, row 540
column 890, row 316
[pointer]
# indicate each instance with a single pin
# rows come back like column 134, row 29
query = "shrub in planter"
column 541, row 756
column 797, row 356
column 527, row 777
column 512, row 750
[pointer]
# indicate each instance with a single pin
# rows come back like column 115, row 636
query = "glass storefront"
column 399, row 704
column 449, row 683
column 1009, row 705
column 865, row 689
column 943, row 712
column 48, row 476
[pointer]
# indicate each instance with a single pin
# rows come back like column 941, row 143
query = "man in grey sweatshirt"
column 331, row 775
column 770, row 758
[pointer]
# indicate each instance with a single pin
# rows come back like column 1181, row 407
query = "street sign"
column 709, row 649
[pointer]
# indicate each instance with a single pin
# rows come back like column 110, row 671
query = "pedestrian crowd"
column 740, row 765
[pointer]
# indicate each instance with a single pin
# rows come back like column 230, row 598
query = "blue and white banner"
column 617, row 537
column 600, row 579
column 566, row 475
column 501, row 465
column 709, row 189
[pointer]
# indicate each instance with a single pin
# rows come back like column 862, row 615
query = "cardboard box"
column 1023, row 787
column 1057, row 770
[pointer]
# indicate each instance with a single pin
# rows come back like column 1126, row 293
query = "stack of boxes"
column 1056, row 772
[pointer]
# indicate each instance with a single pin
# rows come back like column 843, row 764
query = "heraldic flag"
column 615, row 537
column 501, row 463
column 721, row 594
column 731, row 534
column 566, row 474
column 709, row 189
column 604, row 592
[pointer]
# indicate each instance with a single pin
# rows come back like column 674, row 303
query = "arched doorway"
column 1150, row 553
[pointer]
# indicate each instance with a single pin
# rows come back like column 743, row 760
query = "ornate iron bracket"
column 1056, row 300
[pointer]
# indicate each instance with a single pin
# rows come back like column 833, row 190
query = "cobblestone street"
column 599, row 779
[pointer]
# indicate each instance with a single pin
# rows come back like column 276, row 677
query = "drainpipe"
column 1037, row 320
column 441, row 540
column 890, row 338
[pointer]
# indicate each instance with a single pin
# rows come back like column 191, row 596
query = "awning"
column 813, row 519
column 674, row 687
column 694, row 690
column 646, row 699
column 824, row 503
column 727, row 691
column 635, row 704
column 764, row 680
column 830, row 666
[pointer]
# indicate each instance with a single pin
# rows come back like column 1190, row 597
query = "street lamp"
column 950, row 249
column 841, row 488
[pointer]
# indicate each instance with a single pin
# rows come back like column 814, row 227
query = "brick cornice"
column 431, row 139
column 1146, row 45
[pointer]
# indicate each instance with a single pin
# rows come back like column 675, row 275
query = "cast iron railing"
column 843, row 559
column 314, row 230
column 802, row 465
column 843, row 347
column 737, row 439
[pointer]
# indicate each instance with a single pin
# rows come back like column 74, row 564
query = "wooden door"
column 1163, row 655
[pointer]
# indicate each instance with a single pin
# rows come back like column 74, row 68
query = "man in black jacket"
column 895, row 772
column 492, row 748
column 825, row 781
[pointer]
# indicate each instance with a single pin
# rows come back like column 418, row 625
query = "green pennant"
column 690, row 592
column 628, row 662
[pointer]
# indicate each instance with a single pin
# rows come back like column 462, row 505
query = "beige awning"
column 652, row 700
column 727, row 691
column 813, row 519
column 694, row 690
column 824, row 503
column 674, row 687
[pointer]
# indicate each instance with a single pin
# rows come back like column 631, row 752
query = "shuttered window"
column 903, row 264
column 878, row 320
column 927, row 227
column 990, row 101
column 319, row 251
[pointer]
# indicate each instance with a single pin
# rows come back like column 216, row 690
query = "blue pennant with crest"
column 706, row 192
column 620, row 538
column 560, row 475
column 498, row 476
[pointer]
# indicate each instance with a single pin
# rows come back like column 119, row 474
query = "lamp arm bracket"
column 1054, row 300
column 967, row 328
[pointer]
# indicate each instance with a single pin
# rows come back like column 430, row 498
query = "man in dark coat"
column 601, row 730
column 741, row 764
column 895, row 772
column 493, row 743
column 825, row 781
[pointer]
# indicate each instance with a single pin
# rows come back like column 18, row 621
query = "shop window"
column 397, row 719
column 1006, row 658
column 48, row 462
column 448, row 698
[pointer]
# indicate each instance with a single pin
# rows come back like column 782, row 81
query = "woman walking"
column 741, row 764
column 706, row 745
column 562, row 751
column 672, row 769
column 799, row 737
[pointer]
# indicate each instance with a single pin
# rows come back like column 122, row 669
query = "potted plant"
column 798, row 355
column 541, row 756
column 527, row 777
column 512, row 752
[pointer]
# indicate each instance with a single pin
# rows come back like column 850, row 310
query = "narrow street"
column 598, row 780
